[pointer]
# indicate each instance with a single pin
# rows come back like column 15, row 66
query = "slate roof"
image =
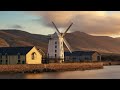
column 15, row 50
column 79, row 53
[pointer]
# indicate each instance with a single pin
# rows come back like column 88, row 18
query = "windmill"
column 55, row 46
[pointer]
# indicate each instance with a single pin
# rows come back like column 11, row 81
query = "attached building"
column 20, row 55
column 79, row 56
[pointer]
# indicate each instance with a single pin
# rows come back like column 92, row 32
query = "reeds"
column 53, row 67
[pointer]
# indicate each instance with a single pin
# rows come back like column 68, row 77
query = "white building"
column 55, row 47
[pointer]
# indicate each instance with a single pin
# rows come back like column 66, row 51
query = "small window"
column 0, row 56
column 18, row 61
column 55, row 55
column 55, row 51
column 33, row 56
column 0, row 60
column 6, row 61
column 74, row 58
column 6, row 56
column 55, row 46
column 98, row 58
column 18, row 56
column 55, row 42
column 23, row 62
column 87, row 58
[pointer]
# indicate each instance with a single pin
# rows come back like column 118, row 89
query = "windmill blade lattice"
column 67, row 45
column 66, row 30
column 59, row 34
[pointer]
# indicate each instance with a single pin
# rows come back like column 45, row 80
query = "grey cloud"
column 91, row 22
column 16, row 26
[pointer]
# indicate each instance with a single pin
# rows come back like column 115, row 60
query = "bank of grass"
column 53, row 67
column 108, row 63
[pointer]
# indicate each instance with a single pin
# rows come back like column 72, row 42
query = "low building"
column 79, row 56
column 20, row 55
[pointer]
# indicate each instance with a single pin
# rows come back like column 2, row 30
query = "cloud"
column 16, row 26
column 92, row 22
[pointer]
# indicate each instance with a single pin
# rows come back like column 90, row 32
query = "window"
column 23, row 62
column 98, row 58
column 6, row 61
column 74, row 58
column 55, row 46
column 0, row 61
column 55, row 42
column 33, row 56
column 55, row 55
column 0, row 56
column 6, row 56
column 55, row 51
column 86, row 58
column 79, row 58
column 18, row 61
column 18, row 56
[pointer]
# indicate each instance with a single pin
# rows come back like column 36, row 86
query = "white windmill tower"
column 55, row 46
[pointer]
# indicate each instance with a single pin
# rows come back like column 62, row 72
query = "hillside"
column 83, row 41
column 22, row 38
column 77, row 40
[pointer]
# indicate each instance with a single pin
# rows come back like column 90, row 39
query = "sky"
column 98, row 23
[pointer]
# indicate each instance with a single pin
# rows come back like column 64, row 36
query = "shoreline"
column 52, row 67
column 109, row 63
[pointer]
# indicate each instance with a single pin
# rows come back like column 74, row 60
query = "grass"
column 107, row 63
column 53, row 67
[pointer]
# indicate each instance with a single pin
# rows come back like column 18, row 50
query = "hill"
column 77, row 40
column 22, row 38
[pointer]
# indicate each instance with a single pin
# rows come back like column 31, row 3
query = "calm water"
column 109, row 72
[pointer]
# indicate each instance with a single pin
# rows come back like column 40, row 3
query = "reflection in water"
column 109, row 72
column 32, row 76
column 50, row 75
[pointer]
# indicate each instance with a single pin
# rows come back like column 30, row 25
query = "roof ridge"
column 17, row 47
column 15, row 50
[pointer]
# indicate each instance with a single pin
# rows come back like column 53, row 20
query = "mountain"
column 3, row 43
column 22, row 38
column 78, row 41
column 83, row 41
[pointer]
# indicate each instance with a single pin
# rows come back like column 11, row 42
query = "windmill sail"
column 56, row 29
column 62, row 36
column 66, row 30
column 67, row 45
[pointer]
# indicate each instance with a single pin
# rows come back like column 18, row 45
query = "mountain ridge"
column 78, row 41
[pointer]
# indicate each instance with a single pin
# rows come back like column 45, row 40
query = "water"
column 109, row 72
